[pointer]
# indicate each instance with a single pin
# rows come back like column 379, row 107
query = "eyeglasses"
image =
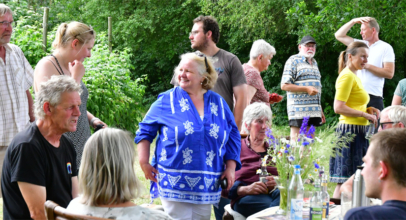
column 382, row 124
column 193, row 33
column 5, row 24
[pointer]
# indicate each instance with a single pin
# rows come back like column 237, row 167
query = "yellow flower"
column 259, row 171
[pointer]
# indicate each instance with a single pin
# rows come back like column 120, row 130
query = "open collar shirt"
column 190, row 153
column 300, row 72
column 16, row 77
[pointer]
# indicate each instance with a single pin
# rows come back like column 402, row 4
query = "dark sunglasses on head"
column 200, row 54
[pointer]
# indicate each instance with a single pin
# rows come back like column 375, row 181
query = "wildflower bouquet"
column 306, row 152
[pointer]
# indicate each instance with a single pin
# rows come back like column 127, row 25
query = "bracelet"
column 92, row 120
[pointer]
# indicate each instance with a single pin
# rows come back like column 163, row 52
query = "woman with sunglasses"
column 73, row 43
column 198, row 145
column 350, row 102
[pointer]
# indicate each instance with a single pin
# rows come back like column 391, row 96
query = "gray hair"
column 4, row 9
column 261, row 47
column 51, row 91
column 256, row 110
column 396, row 113
column 208, row 73
column 107, row 171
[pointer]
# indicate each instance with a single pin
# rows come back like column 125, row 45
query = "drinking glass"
column 370, row 130
column 346, row 203
column 307, row 196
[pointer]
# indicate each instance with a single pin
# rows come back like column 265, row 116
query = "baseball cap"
column 307, row 39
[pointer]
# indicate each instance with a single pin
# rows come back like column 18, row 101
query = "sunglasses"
column 90, row 31
column 200, row 54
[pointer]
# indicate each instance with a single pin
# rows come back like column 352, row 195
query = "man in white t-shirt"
column 381, row 60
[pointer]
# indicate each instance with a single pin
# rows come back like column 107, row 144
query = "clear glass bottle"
column 316, row 204
column 264, row 171
column 325, row 197
column 295, row 195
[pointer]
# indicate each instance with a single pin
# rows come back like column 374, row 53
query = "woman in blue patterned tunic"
column 198, row 145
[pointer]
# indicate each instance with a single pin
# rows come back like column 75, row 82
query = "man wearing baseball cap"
column 301, row 80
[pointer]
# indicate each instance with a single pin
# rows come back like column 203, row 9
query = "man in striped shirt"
column 16, row 78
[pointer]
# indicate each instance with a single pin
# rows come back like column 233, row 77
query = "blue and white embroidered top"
column 300, row 72
column 190, row 153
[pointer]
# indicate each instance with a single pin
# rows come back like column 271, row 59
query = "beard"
column 201, row 46
column 308, row 54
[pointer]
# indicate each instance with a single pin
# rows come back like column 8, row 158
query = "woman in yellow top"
column 350, row 102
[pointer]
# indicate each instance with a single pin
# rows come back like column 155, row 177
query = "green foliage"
column 28, row 32
column 157, row 33
column 113, row 96
column 322, row 18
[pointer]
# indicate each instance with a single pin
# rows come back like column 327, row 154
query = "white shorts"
column 186, row 211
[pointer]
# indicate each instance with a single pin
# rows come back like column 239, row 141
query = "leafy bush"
column 28, row 32
column 113, row 96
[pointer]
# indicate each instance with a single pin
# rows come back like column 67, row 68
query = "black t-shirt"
column 391, row 209
column 32, row 159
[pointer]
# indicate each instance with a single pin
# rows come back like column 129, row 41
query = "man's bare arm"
column 75, row 187
column 34, row 196
column 250, row 93
column 341, row 34
column 295, row 88
column 387, row 71
column 347, row 185
column 397, row 100
column 30, row 105
column 240, row 94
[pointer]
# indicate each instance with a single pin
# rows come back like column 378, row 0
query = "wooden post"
column 109, row 32
column 45, row 27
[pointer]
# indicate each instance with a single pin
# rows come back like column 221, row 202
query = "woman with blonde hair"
column 350, row 102
column 199, row 142
column 73, row 43
column 108, row 181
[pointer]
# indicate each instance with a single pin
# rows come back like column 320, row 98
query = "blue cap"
column 297, row 166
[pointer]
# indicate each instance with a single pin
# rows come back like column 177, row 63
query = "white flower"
column 293, row 143
column 285, row 141
column 319, row 140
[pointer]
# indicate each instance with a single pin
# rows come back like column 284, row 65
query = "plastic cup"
column 346, row 202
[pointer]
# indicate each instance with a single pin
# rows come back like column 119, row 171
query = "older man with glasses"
column 301, row 80
column 391, row 117
column 16, row 78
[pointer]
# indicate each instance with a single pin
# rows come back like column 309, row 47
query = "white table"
column 334, row 214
